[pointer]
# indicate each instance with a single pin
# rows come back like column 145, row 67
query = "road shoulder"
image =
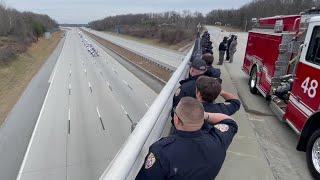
column 16, row 131
column 245, row 159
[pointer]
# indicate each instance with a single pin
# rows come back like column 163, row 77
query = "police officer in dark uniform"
column 208, row 89
column 211, row 71
column 196, row 152
column 188, row 86
column 222, row 49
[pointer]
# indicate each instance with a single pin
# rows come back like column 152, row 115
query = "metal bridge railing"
column 130, row 157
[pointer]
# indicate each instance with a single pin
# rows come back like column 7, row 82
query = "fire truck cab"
column 283, row 61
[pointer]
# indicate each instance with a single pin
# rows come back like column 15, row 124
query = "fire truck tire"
column 253, row 81
column 313, row 154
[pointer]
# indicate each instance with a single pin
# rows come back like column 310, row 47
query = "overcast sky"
column 84, row 11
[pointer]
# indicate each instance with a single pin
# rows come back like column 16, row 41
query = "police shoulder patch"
column 151, row 159
column 177, row 92
column 222, row 127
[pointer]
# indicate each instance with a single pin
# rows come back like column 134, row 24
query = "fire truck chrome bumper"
column 277, row 111
column 316, row 155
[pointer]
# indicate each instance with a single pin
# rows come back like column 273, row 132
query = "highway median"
column 156, row 70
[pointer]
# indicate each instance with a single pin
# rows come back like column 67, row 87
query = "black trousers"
column 228, row 55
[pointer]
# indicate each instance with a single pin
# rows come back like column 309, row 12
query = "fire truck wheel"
column 253, row 81
column 313, row 154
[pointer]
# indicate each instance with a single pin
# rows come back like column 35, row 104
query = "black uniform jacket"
column 195, row 155
column 229, row 107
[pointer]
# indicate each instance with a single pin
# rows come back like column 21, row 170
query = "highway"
column 277, row 140
column 173, row 59
column 86, row 115
column 91, row 103
column 16, row 131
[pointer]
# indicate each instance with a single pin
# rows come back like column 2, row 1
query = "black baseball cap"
column 199, row 64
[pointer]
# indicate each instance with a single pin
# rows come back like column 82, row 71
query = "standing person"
column 228, row 50
column 211, row 71
column 196, row 151
column 233, row 48
column 222, row 49
column 208, row 89
column 188, row 86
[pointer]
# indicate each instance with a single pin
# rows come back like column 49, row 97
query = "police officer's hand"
column 215, row 118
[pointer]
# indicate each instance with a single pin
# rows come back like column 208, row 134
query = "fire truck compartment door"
column 305, row 98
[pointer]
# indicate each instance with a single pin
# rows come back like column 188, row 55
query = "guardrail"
column 130, row 157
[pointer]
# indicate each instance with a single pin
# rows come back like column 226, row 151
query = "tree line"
column 241, row 17
column 173, row 27
column 19, row 29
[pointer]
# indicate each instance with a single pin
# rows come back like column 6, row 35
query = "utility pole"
column 199, row 27
column 245, row 27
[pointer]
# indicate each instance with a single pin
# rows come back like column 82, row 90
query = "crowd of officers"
column 203, row 128
column 228, row 46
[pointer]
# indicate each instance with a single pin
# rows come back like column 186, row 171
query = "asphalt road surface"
column 16, row 131
column 159, row 54
column 86, row 115
column 277, row 139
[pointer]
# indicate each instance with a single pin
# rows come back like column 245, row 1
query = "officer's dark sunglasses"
column 174, row 111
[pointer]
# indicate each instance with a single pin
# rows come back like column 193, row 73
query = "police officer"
column 211, row 71
column 188, row 86
column 222, row 49
column 208, row 89
column 196, row 151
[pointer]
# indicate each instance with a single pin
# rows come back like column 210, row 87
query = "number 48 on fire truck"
column 283, row 61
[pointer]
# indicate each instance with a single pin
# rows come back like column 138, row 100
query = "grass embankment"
column 156, row 42
column 15, row 77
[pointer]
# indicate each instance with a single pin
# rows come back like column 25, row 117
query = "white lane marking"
column 98, row 112
column 109, row 85
column 69, row 89
column 90, row 86
column 124, row 110
column 125, row 82
column 147, row 105
column 127, row 114
column 114, row 70
column 85, row 71
column 37, row 123
column 70, row 73
column 69, row 115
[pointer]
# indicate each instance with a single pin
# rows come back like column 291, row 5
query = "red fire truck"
column 283, row 61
